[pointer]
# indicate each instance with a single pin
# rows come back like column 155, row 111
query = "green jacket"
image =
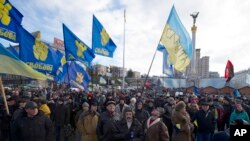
column 239, row 115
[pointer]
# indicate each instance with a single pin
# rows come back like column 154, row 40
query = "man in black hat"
column 205, row 120
column 33, row 126
column 108, row 120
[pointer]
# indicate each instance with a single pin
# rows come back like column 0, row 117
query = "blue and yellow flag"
column 10, row 20
column 37, row 54
column 177, row 42
column 77, row 75
column 102, row 44
column 10, row 64
column 75, row 48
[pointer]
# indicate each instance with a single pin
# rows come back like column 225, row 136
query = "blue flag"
column 102, row 44
column 37, row 54
column 62, row 70
column 177, row 42
column 75, row 48
column 196, row 92
column 237, row 93
column 10, row 64
column 77, row 75
column 13, row 51
column 167, row 66
column 10, row 20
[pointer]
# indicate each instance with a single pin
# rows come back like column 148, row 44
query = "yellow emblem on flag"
column 79, row 77
column 104, row 37
column 176, row 53
column 4, row 12
column 80, row 48
column 40, row 50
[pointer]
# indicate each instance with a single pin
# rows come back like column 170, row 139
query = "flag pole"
column 149, row 71
column 4, row 97
column 123, row 77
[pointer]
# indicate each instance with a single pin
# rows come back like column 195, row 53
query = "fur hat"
column 180, row 105
column 161, row 110
column 85, row 104
column 110, row 102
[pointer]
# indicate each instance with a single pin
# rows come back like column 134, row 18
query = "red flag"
column 147, row 85
column 229, row 71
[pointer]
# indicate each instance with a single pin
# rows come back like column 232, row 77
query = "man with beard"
column 129, row 128
column 156, row 130
column 107, row 121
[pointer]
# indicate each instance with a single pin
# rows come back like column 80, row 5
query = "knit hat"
column 180, row 105
column 128, row 109
column 85, row 104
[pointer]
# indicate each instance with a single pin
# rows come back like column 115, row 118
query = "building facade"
column 240, row 78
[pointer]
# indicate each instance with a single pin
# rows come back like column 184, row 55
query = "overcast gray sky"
column 223, row 27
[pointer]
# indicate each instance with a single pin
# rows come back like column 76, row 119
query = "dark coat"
column 156, row 131
column 61, row 115
column 206, row 121
column 134, row 133
column 105, row 126
column 141, row 115
column 184, row 133
column 38, row 128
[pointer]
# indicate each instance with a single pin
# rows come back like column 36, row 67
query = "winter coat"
column 117, row 109
column 182, row 127
column 239, row 115
column 141, row 115
column 37, row 128
column 123, row 133
column 106, row 124
column 156, row 131
column 87, row 124
column 205, row 121
column 61, row 115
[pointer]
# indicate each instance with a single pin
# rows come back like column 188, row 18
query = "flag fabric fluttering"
column 38, row 54
column 176, row 40
column 248, row 79
column 102, row 44
column 13, row 51
column 77, row 75
column 167, row 66
column 236, row 93
column 196, row 91
column 229, row 71
column 75, row 48
column 10, row 20
column 10, row 64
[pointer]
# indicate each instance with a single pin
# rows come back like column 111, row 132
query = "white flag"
column 248, row 79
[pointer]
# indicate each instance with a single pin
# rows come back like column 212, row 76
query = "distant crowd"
column 48, row 115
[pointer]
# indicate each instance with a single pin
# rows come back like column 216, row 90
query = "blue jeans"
column 203, row 136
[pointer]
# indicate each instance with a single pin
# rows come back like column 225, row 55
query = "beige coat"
column 87, row 126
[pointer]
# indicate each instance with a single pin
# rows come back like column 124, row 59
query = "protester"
column 140, row 114
column 182, row 124
column 129, row 128
column 108, row 120
column 33, row 126
column 155, row 129
column 87, row 123
column 119, row 108
column 239, row 113
column 205, row 122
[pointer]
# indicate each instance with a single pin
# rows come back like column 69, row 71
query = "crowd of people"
column 47, row 115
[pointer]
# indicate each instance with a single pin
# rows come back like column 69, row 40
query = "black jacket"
column 105, row 126
column 134, row 133
column 38, row 128
column 206, row 121
column 141, row 115
column 61, row 115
